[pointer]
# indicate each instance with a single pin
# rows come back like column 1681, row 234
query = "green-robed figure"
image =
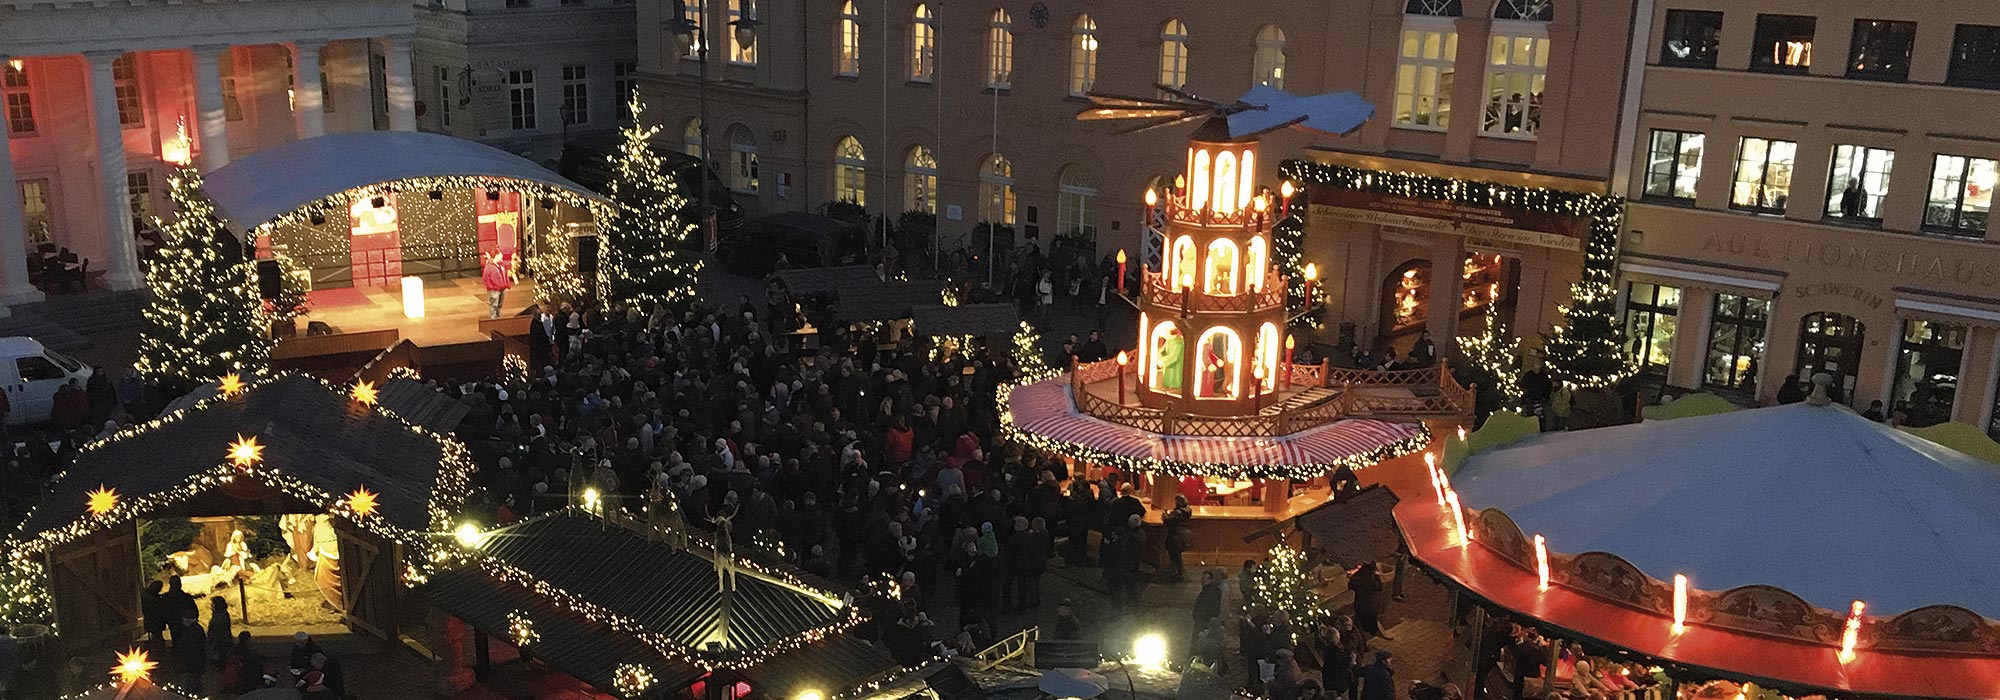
column 1168, row 357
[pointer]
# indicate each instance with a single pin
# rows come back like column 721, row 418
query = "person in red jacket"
column 897, row 443
column 498, row 276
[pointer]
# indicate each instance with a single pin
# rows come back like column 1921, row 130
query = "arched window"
column 1173, row 54
column 1220, row 277
column 1224, row 178
column 923, row 45
column 996, row 191
column 920, row 180
column 1198, row 190
column 1166, row 355
column 691, row 138
column 850, row 172
column 1083, row 55
column 1269, row 66
column 999, row 50
column 1517, row 63
column 1076, row 203
column 849, row 61
column 1269, row 347
column 1426, row 63
column 742, row 159
column 1219, row 359
column 1181, row 273
column 742, row 52
column 1254, row 263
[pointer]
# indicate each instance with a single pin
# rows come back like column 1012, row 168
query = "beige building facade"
column 1809, row 188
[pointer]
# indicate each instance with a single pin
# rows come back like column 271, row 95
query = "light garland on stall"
column 521, row 630
column 1277, row 470
column 1587, row 349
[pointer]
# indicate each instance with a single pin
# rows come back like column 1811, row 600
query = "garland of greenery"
column 1588, row 348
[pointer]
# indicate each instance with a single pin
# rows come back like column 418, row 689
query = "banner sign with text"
column 1502, row 226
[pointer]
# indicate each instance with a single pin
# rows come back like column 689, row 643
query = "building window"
column 518, row 4
column 1436, row 8
column 1424, row 71
column 20, row 102
column 1268, row 66
column 225, row 65
column 743, row 160
column 378, row 89
column 1526, row 10
column 849, row 61
column 575, row 95
column 999, row 50
column 625, row 84
column 36, row 211
column 996, row 191
column 444, row 95
column 1961, row 195
column 1736, row 341
column 1859, row 182
column 125, row 84
column 1173, row 54
column 1927, row 370
column 920, row 180
column 742, row 52
column 696, row 13
column 139, row 202
column 1076, row 203
column 1783, row 44
column 1975, row 56
column 1691, row 38
column 1763, row 175
column 1673, row 164
column 1881, row 49
column 1516, row 64
column 1651, row 313
column 850, row 172
column 1083, row 55
column 521, row 99
column 691, row 139
column 923, row 45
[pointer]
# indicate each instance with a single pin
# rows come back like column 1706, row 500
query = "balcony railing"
column 1161, row 295
column 1390, row 395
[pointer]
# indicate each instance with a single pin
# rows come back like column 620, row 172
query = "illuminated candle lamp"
column 1461, row 433
column 1852, row 634
column 1152, row 198
column 1542, row 562
column 1457, row 516
column 1437, row 477
column 1312, row 275
column 1680, row 603
column 1290, row 342
column 1121, row 260
column 1285, row 191
column 1122, row 360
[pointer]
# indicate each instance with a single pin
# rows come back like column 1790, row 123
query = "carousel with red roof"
column 1210, row 403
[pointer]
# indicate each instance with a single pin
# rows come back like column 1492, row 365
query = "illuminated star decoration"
column 362, row 502
column 102, row 500
column 133, row 666
column 245, row 451
column 364, row 392
column 229, row 384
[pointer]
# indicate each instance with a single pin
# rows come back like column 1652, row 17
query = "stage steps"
column 1310, row 397
column 65, row 323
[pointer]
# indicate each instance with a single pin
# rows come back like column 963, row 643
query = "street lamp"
column 685, row 30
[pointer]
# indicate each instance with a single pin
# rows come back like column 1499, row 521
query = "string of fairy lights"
column 203, row 318
column 1586, row 350
column 644, row 236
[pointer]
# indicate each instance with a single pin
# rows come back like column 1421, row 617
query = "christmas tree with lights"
column 643, row 259
column 1028, row 350
column 1587, row 350
column 1494, row 356
column 1284, row 584
column 203, row 318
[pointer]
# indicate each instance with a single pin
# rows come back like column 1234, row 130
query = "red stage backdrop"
column 499, row 223
column 374, row 245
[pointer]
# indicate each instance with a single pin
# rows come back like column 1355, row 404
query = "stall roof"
column 967, row 319
column 820, row 280
column 1359, row 529
column 1780, row 496
column 422, row 405
column 272, row 182
column 310, row 432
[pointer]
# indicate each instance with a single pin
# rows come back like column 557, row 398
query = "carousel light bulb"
column 1152, row 197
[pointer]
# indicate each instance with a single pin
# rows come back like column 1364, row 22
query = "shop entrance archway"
column 1407, row 294
column 1831, row 342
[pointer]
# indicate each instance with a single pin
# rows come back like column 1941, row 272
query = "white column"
column 402, row 94
column 119, row 244
column 14, row 286
column 211, row 119
column 306, row 88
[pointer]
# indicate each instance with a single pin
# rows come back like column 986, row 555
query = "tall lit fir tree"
column 643, row 259
column 203, row 319
column 1587, row 349
column 1284, row 584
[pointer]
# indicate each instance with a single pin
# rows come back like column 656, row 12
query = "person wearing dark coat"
column 1378, row 680
column 1252, row 646
column 1207, row 603
column 1367, row 587
column 303, row 649
column 190, row 653
column 1025, row 555
column 176, row 605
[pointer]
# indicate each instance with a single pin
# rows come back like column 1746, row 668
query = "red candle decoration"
column 1122, row 359
column 1121, row 266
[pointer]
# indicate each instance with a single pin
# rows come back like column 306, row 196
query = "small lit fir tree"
column 204, row 318
column 643, row 256
column 1493, row 357
column 1587, row 350
column 1284, row 584
column 1028, row 350
column 23, row 592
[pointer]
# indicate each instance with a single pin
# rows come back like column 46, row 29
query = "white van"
column 31, row 375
